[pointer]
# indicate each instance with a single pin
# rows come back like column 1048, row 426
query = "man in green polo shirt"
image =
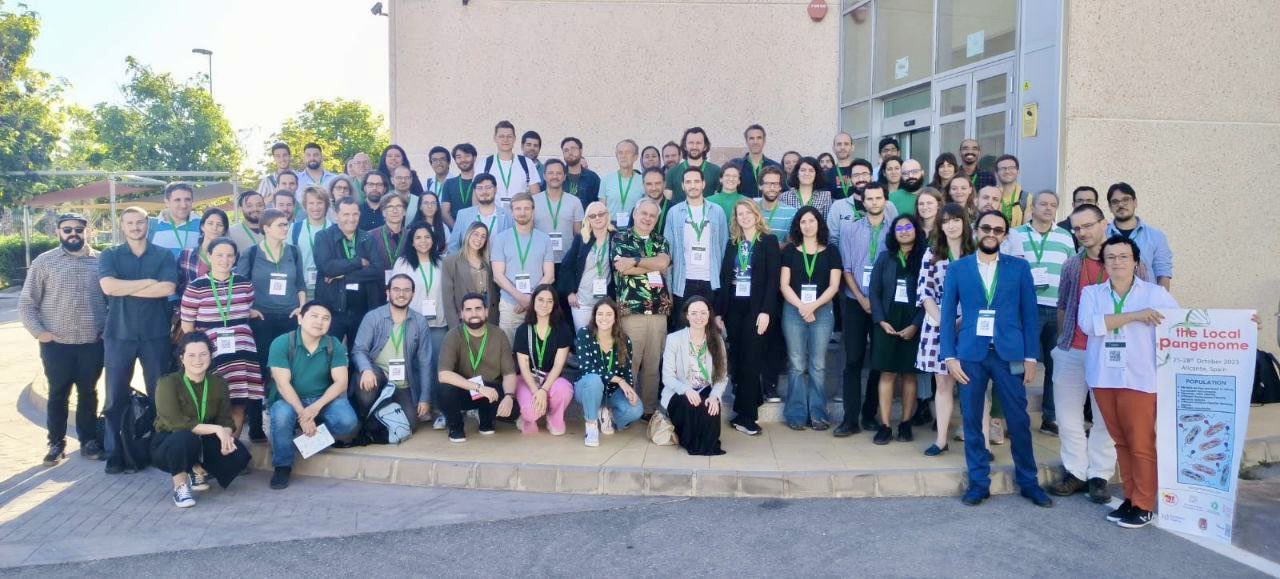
column 694, row 146
column 309, row 368
column 476, row 370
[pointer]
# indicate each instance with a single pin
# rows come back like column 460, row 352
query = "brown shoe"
column 1069, row 485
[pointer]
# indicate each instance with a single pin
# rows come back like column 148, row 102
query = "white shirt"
column 987, row 270
column 1139, row 371
column 420, row 294
column 519, row 181
column 698, row 271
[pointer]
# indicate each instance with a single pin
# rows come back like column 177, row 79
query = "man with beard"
column 248, row 232
column 138, row 277
column 174, row 229
column 484, row 210
column 281, row 157
column 347, row 281
column 63, row 307
column 531, row 146
column 401, row 184
column 670, row 156
column 904, row 199
column 522, row 259
column 1153, row 246
column 622, row 190
column 515, row 173
column 394, row 347
column 861, row 243
column 694, row 144
column 776, row 213
column 375, row 186
column 283, row 201
column 1013, row 200
column 752, row 164
column 842, row 173
column 580, row 181
column 1082, row 195
column 851, row 208
column 970, row 154
column 315, row 173
column 557, row 213
column 476, row 370
column 457, row 190
column 994, row 340
column 655, row 183
column 439, row 159
column 989, row 199
column 698, row 232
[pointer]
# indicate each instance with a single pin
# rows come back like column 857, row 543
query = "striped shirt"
column 62, row 296
column 199, row 308
column 1048, row 252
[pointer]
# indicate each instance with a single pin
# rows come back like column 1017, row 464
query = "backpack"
column 524, row 165
column 386, row 422
column 1266, row 380
column 137, row 424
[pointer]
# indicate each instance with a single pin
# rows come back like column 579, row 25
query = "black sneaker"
column 57, row 452
column 883, row 435
column 846, row 429
column 922, row 416
column 904, row 432
column 457, row 435
column 1069, row 485
column 870, row 424
column 113, row 467
column 92, row 450
column 1137, row 518
column 746, row 427
column 1120, row 513
column 771, row 393
column 1098, row 491
column 280, row 478
column 1049, row 428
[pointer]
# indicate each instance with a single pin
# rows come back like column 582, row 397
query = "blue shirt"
column 503, row 249
column 673, row 232
column 779, row 218
column 1153, row 247
column 855, row 250
column 498, row 222
column 160, row 231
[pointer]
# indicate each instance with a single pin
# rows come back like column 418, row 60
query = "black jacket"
column 334, row 271
column 766, row 275
column 884, row 284
column 574, row 263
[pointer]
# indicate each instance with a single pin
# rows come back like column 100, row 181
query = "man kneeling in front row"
column 477, row 369
column 393, row 347
column 309, row 368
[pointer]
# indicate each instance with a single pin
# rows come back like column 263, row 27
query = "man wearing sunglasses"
column 996, row 339
column 63, row 306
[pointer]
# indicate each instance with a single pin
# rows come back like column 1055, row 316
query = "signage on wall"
column 1030, row 119
column 818, row 10
column 901, row 67
column 975, row 44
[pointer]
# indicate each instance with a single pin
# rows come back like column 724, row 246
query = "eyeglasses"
column 1117, row 257
column 861, row 174
column 401, row 290
column 997, row 230
column 597, row 215
column 70, row 230
column 1120, row 201
column 1078, row 228
column 912, row 172
column 1006, row 169
column 905, row 227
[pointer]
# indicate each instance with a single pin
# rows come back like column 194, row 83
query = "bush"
column 13, row 261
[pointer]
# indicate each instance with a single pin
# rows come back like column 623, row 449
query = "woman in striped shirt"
column 221, row 305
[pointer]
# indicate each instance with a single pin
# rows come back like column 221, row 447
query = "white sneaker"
column 182, row 497
column 593, row 436
column 606, row 421
column 439, row 424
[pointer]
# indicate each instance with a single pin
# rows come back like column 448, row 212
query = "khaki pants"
column 648, row 336
column 509, row 320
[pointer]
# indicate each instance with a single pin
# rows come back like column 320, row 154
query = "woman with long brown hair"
column 694, row 376
column 468, row 271
column 609, row 401
column 960, row 191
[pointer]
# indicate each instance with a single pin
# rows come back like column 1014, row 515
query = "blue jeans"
column 118, row 359
column 337, row 415
column 437, row 342
column 807, row 364
column 589, row 392
column 1048, row 318
column 1012, row 393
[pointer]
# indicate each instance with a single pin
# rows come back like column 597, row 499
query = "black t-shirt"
column 561, row 336
column 824, row 263
column 1127, row 233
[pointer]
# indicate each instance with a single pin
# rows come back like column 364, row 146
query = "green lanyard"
column 1118, row 302
column 1039, row 251
column 699, row 226
column 204, row 396
column 555, row 215
column 744, row 255
column 386, row 244
column 349, row 248
column 224, row 308
column 951, row 255
column 662, row 215
column 397, row 339
column 428, row 279
column 252, row 236
column 203, row 257
column 624, row 192
column 991, row 289
column 523, row 254
column 182, row 239
column 808, row 264
column 755, row 170
column 473, row 356
column 800, row 197
column 540, row 344
column 772, row 212
column 506, row 177
column 875, row 241
column 275, row 264
column 843, row 182
column 902, row 259
column 602, row 250
column 311, row 238
column 492, row 220
column 702, row 368
column 465, row 192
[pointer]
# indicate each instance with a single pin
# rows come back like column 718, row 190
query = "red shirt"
column 1091, row 272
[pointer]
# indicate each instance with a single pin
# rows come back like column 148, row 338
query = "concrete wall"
column 1180, row 100
column 605, row 70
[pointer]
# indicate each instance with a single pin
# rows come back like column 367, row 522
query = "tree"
column 30, row 122
column 341, row 127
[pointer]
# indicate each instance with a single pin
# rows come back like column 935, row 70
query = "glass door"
column 975, row 105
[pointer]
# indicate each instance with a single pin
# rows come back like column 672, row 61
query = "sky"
column 269, row 56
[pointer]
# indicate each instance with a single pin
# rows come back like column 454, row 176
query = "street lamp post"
column 208, row 53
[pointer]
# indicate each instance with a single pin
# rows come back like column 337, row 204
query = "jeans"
column 338, row 416
column 1009, row 388
column 66, row 365
column 119, row 357
column 1085, row 457
column 589, row 392
column 856, row 336
column 1048, row 318
column 807, row 354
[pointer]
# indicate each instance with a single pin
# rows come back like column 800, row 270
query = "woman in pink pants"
column 542, row 345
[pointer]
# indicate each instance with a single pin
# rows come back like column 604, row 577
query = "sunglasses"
column 70, row 230
column 997, row 230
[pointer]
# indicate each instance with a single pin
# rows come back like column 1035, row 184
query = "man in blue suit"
column 996, row 340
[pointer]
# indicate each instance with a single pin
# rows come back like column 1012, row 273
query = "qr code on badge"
column 1113, row 356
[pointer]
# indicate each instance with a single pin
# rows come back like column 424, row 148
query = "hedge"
column 13, row 261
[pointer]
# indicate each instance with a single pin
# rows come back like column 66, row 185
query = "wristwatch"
column 637, row 262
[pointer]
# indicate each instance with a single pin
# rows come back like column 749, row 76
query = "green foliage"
column 13, row 260
column 341, row 127
column 30, row 122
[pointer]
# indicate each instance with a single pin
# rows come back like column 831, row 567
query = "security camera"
column 377, row 9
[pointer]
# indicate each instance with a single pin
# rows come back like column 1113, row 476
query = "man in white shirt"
column 281, row 156
column 514, row 173
column 315, row 173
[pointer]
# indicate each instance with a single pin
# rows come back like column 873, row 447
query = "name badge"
column 523, row 285
column 557, row 240
column 225, row 345
column 353, row 287
column 655, row 279
column 866, row 276
column 622, row 219
column 1114, row 350
column 311, row 276
column 429, row 307
column 742, row 287
column 504, row 202
column 475, row 392
column 386, row 277
column 808, row 293
column 698, row 255
column 987, row 323
column 900, row 294
column 395, row 370
column 279, row 282
column 599, row 288
column 1040, row 276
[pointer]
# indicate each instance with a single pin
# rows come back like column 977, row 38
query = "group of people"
column 512, row 287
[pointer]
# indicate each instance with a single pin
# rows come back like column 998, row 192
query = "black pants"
column 363, row 399
column 693, row 287
column 177, row 452
column 698, row 431
column 265, row 331
column 345, row 324
column 856, row 336
column 65, row 365
column 456, row 401
column 746, row 359
column 774, row 366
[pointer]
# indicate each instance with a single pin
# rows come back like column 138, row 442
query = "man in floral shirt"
column 640, row 255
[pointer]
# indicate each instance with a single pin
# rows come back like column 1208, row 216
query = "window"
column 903, row 42
column 974, row 30
column 856, row 81
column 855, row 119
